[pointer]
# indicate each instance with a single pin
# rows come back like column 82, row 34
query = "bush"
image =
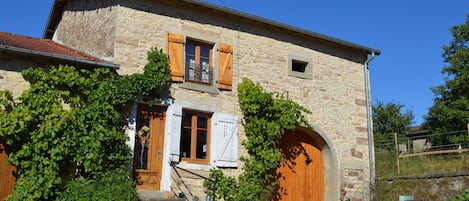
column 114, row 185
column 462, row 197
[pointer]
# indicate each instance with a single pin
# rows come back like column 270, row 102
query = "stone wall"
column 335, row 94
column 441, row 188
column 89, row 26
column 10, row 73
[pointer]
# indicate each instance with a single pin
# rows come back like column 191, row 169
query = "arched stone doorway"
column 310, row 170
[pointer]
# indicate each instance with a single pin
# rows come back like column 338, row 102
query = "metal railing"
column 176, row 168
column 202, row 74
column 405, row 156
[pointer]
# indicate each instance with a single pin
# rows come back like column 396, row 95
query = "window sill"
column 193, row 166
column 300, row 75
column 199, row 87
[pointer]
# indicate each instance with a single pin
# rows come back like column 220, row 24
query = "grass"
column 421, row 189
column 386, row 164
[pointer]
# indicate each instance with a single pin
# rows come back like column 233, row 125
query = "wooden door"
column 148, row 150
column 301, row 176
column 7, row 174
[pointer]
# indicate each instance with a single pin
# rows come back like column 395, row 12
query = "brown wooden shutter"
column 174, row 49
column 225, row 67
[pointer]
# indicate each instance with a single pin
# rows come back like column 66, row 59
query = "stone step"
column 163, row 199
column 145, row 195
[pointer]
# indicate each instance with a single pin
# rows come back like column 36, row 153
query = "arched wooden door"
column 301, row 176
column 148, row 150
column 7, row 178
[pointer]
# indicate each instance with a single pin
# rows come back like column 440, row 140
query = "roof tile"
column 43, row 45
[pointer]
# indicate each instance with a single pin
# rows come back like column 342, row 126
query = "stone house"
column 20, row 52
column 199, row 125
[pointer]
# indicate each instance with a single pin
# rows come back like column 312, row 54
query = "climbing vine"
column 267, row 116
column 64, row 134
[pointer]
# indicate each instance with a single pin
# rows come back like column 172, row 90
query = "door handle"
column 160, row 153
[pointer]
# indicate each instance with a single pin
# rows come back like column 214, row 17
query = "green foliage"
column 387, row 120
column 267, row 116
column 450, row 109
column 461, row 197
column 67, row 125
column 111, row 185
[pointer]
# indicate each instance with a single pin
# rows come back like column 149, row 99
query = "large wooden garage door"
column 301, row 176
column 7, row 179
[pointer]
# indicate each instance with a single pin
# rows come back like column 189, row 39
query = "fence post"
column 397, row 154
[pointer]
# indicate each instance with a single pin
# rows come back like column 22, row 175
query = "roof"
column 58, row 5
column 48, row 48
column 417, row 131
column 284, row 26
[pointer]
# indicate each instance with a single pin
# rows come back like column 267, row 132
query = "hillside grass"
column 386, row 164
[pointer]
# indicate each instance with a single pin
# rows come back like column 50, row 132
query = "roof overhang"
column 57, row 57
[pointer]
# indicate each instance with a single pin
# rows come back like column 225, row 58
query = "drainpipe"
column 369, row 125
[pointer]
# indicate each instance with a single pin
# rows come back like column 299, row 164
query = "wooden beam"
column 425, row 176
column 434, row 153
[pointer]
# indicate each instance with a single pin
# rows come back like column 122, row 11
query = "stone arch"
column 331, row 167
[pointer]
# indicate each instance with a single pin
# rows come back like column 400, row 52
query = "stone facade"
column 335, row 93
column 10, row 72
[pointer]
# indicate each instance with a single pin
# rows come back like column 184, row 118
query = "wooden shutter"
column 132, row 125
column 174, row 118
column 225, row 66
column 226, row 140
column 175, row 51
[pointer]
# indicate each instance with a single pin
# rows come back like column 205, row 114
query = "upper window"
column 203, row 65
column 300, row 66
column 198, row 65
column 195, row 136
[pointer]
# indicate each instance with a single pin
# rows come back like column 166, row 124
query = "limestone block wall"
column 89, row 26
column 335, row 94
column 10, row 73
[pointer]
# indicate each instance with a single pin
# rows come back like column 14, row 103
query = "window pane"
column 186, row 143
column 141, row 154
column 186, row 120
column 299, row 66
column 204, row 51
column 201, row 150
column 190, row 48
column 142, row 143
column 204, row 63
column 190, row 59
column 202, row 121
column 204, row 70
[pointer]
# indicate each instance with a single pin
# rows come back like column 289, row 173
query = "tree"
column 387, row 120
column 64, row 134
column 450, row 109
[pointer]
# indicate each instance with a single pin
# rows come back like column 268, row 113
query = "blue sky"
column 410, row 34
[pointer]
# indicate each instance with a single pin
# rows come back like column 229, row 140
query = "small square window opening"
column 299, row 66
